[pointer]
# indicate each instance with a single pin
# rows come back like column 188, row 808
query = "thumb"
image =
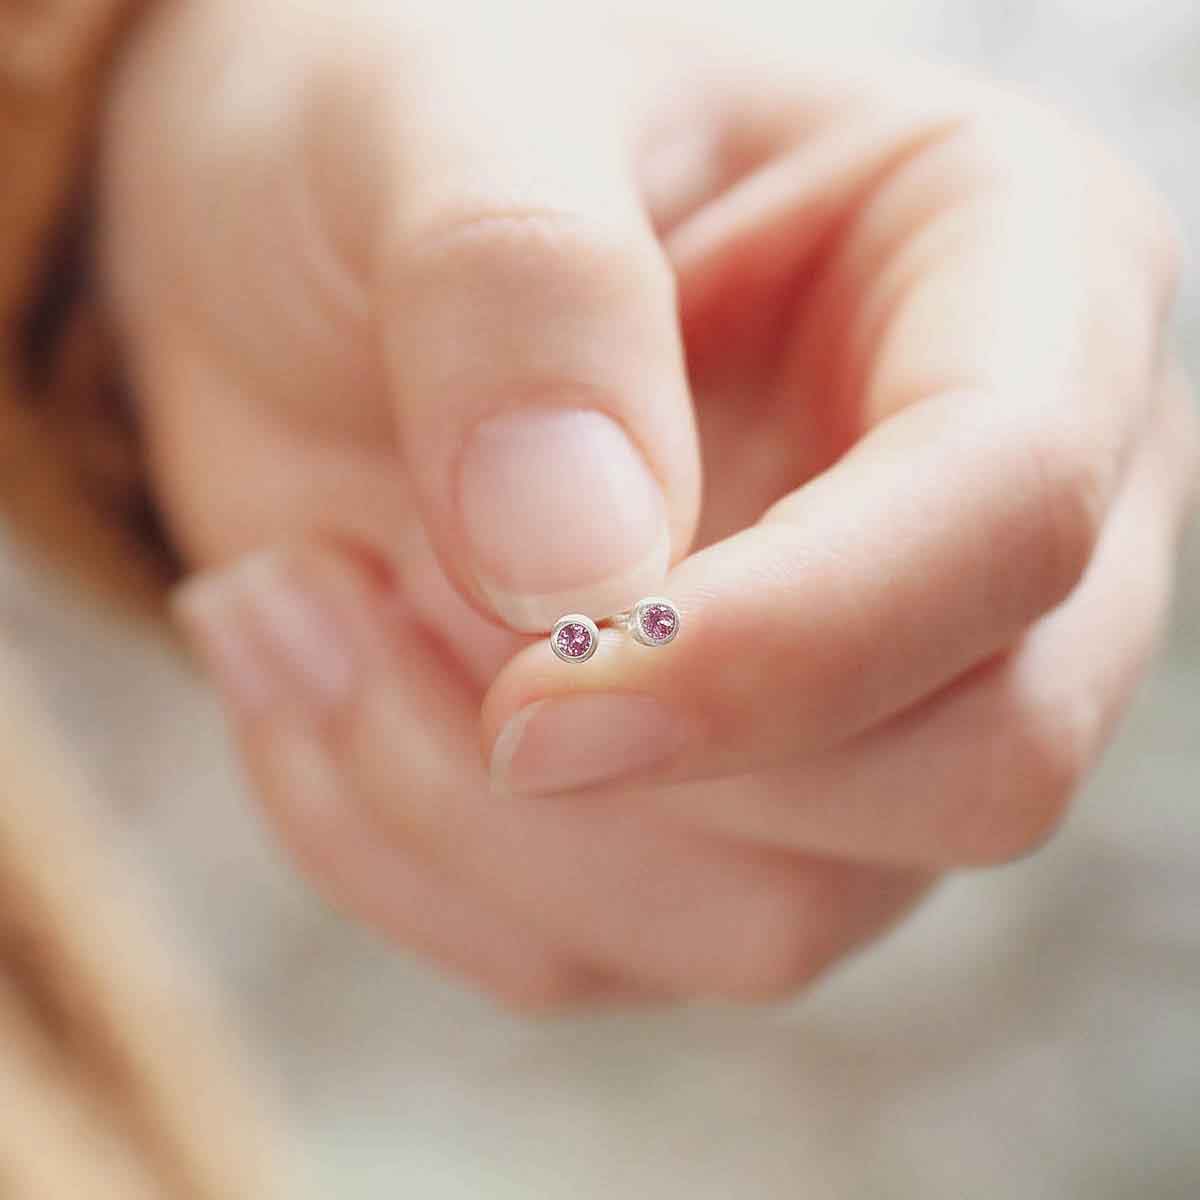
column 530, row 336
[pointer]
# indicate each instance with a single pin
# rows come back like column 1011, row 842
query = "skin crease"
column 907, row 327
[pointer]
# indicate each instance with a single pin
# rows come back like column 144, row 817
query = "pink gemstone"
column 574, row 640
column 659, row 622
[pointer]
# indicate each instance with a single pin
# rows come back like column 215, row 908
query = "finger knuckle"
column 1166, row 245
column 1045, row 752
column 1141, row 228
column 577, row 258
column 999, row 133
column 542, row 993
column 775, row 958
column 1065, row 485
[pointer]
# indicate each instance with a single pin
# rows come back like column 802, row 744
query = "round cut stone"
column 573, row 640
column 659, row 622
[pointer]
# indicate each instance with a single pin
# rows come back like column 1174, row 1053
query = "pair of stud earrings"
column 653, row 621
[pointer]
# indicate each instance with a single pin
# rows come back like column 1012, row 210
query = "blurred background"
column 1033, row 1032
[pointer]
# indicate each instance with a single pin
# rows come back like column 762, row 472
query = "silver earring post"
column 653, row 621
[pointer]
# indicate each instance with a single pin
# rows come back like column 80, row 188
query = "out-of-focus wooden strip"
column 108, row 988
column 56, row 1143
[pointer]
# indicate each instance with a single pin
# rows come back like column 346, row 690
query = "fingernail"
column 265, row 637
column 221, row 639
column 561, row 514
column 560, row 745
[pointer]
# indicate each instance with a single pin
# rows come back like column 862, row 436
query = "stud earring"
column 653, row 621
column 574, row 638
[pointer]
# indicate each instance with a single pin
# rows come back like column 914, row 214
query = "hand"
column 408, row 298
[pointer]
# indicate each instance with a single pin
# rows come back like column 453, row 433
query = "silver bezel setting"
column 635, row 621
column 574, row 619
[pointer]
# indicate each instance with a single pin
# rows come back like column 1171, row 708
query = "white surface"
column 1035, row 1032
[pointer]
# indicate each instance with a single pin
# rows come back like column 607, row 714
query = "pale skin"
column 440, row 320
